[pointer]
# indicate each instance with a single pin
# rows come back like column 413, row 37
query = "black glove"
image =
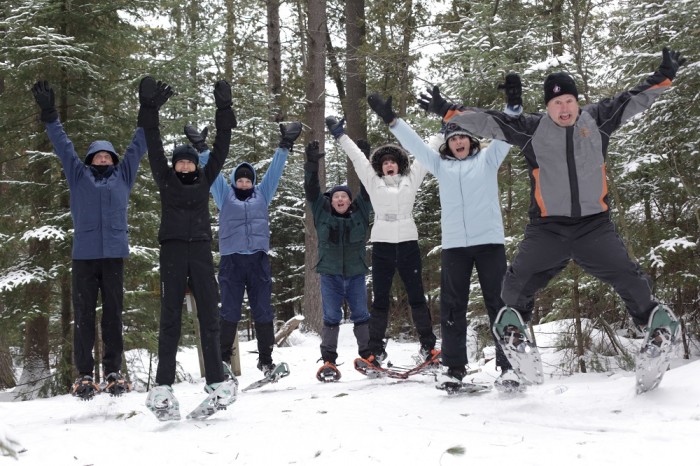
column 670, row 63
column 335, row 126
column 382, row 107
column 513, row 89
column 434, row 102
column 154, row 94
column 313, row 154
column 288, row 134
column 46, row 100
column 198, row 140
column 222, row 94
column 364, row 147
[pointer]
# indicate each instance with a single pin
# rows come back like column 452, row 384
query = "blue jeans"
column 335, row 289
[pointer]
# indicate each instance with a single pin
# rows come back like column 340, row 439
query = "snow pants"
column 184, row 264
column 90, row 277
column 594, row 245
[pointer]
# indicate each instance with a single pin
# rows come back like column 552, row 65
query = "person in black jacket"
column 185, row 242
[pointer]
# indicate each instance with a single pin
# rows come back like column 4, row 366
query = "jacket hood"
column 395, row 152
column 246, row 165
column 98, row 146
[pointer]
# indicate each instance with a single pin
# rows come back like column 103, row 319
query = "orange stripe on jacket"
column 538, row 192
column 605, row 189
column 665, row 83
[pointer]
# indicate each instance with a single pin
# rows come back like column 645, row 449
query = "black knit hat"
column 343, row 188
column 558, row 84
column 185, row 152
column 243, row 172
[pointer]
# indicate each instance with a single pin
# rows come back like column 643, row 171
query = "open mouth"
column 390, row 172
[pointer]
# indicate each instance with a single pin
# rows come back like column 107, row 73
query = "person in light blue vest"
column 244, row 243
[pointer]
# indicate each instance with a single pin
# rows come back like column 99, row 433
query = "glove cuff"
column 49, row 115
column 286, row 144
column 225, row 119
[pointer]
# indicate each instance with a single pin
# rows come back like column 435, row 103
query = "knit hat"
column 98, row 146
column 341, row 187
column 558, row 84
column 185, row 152
column 244, row 172
column 453, row 129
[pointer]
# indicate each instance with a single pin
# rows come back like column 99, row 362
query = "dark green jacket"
column 341, row 238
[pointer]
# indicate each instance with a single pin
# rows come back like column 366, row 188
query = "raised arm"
column 271, row 180
column 152, row 95
column 225, row 122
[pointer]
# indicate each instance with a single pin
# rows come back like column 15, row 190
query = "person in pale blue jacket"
column 244, row 243
column 472, row 228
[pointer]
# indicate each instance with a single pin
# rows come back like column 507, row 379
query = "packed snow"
column 587, row 419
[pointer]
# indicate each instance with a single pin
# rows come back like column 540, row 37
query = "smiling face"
column 102, row 158
column 244, row 183
column 459, row 145
column 563, row 110
column 340, row 202
column 185, row 166
column 390, row 167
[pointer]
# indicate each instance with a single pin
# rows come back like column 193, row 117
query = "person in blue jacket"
column 244, row 243
column 472, row 229
column 99, row 186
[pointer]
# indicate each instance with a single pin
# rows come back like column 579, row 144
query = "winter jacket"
column 185, row 208
column 469, row 201
column 392, row 196
column 341, row 238
column 244, row 226
column 98, row 203
column 566, row 164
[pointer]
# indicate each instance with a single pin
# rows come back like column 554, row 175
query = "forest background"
column 303, row 59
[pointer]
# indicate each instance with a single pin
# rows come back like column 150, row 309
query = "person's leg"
column 491, row 267
column 544, row 252
column 259, row 296
column 356, row 296
column 457, row 265
column 410, row 268
column 332, row 296
column 112, row 289
column 232, row 285
column 85, row 288
column 383, row 267
column 599, row 250
column 173, row 283
column 202, row 281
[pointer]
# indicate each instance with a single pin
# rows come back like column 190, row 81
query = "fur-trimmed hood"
column 393, row 151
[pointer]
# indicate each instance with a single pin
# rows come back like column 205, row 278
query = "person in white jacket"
column 392, row 182
column 472, row 231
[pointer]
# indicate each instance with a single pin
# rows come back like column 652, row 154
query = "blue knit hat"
column 341, row 187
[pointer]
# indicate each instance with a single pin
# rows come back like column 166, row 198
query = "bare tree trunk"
column 576, row 302
column 314, row 118
column 274, row 61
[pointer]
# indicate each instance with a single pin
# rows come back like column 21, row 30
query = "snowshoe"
column 85, row 388
column 509, row 382
column 661, row 336
column 116, row 385
column 328, row 373
column 162, row 403
column 221, row 396
column 517, row 345
column 272, row 374
column 371, row 367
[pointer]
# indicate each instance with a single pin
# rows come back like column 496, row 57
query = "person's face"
column 340, row 202
column 563, row 110
column 244, row 183
column 184, row 166
column 459, row 145
column 102, row 158
column 390, row 167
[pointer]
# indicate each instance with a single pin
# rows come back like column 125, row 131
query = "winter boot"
column 224, row 393
column 266, row 341
column 328, row 373
column 508, row 382
column 452, row 379
column 85, row 387
column 267, row 369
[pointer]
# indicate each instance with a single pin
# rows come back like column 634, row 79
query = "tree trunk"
column 274, row 61
column 576, row 303
column 314, row 118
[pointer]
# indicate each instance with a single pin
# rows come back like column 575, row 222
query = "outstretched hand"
column 222, row 94
column 198, row 140
column 154, row 94
column 289, row 133
column 313, row 153
column 514, row 90
column 335, row 127
column 46, row 100
column 382, row 107
column 670, row 62
column 434, row 102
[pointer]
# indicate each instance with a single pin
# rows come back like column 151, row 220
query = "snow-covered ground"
column 587, row 419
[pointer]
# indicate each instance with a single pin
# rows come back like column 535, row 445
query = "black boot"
column 227, row 336
column 266, row 340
